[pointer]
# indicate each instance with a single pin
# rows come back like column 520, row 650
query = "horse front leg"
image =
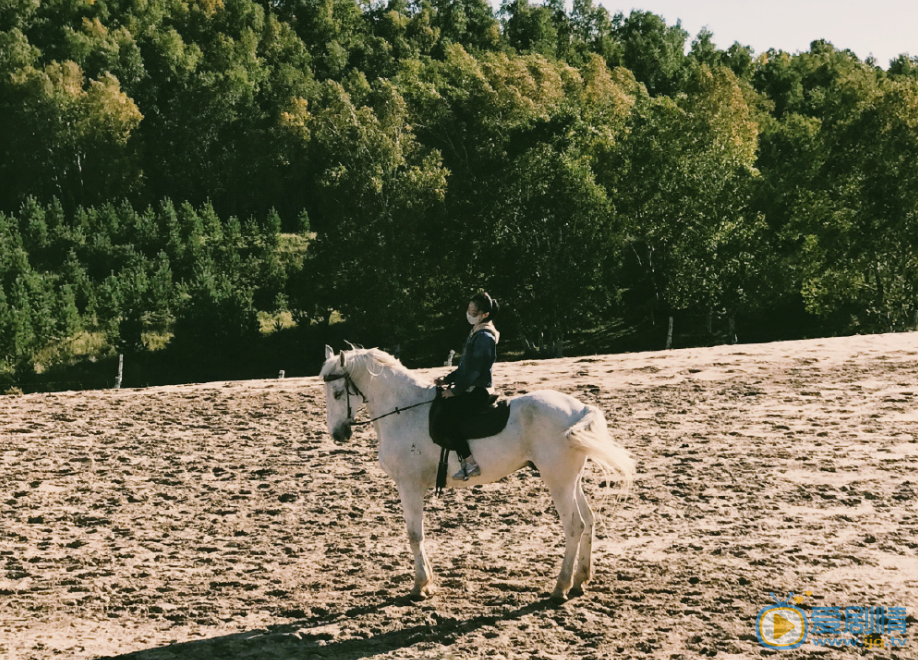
column 412, row 498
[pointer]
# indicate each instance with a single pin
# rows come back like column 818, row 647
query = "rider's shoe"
column 469, row 469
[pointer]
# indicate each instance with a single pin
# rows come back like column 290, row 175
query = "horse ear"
column 342, row 358
column 328, row 351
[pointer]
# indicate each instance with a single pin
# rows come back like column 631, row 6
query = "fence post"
column 120, row 370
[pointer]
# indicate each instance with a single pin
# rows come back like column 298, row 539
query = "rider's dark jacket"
column 477, row 359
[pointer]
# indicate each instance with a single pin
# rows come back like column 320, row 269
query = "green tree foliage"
column 550, row 244
column 218, row 311
column 380, row 191
column 578, row 165
column 469, row 23
column 857, row 218
column 737, row 58
column 836, row 162
column 129, row 273
column 904, row 66
column 530, row 28
column 66, row 136
column 685, row 172
column 651, row 49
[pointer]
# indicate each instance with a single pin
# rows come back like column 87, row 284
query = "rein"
column 348, row 384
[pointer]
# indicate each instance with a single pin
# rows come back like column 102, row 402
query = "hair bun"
column 485, row 303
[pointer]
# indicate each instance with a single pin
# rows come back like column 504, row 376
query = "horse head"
column 338, row 409
column 342, row 373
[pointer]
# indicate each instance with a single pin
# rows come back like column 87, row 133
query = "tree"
column 30, row 316
column 592, row 32
column 218, row 313
column 73, row 274
column 553, row 240
column 530, row 28
column 334, row 31
column 470, row 23
column 858, row 221
column 379, row 190
column 652, row 50
column 737, row 58
column 65, row 135
column 904, row 66
column 685, row 174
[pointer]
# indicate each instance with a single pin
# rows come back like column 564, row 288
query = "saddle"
column 490, row 419
column 487, row 420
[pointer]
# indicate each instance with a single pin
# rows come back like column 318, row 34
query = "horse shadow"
column 305, row 638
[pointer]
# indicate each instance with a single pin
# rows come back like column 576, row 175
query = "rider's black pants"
column 456, row 410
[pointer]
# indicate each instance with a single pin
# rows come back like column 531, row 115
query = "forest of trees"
column 174, row 170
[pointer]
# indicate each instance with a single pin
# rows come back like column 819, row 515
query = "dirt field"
column 222, row 521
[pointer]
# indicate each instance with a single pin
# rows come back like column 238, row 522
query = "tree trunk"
column 710, row 318
column 731, row 329
column 669, row 334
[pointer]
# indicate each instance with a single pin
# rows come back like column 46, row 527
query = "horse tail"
column 591, row 436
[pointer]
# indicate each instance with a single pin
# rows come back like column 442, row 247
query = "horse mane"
column 370, row 360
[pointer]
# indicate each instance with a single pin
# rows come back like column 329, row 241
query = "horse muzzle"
column 342, row 432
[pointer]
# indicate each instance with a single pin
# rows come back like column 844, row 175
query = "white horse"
column 551, row 430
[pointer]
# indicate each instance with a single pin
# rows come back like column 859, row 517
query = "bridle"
column 349, row 383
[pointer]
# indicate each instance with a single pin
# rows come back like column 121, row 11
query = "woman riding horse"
column 468, row 384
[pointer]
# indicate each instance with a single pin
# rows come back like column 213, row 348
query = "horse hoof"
column 575, row 592
column 558, row 597
column 421, row 594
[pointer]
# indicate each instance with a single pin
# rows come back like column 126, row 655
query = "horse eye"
column 338, row 394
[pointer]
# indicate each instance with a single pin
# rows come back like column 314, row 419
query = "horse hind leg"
column 563, row 485
column 583, row 573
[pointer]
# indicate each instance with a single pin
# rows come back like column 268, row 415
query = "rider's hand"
column 439, row 382
column 448, row 394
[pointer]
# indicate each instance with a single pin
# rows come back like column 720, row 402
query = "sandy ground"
column 221, row 520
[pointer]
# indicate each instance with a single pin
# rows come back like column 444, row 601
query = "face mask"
column 471, row 319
